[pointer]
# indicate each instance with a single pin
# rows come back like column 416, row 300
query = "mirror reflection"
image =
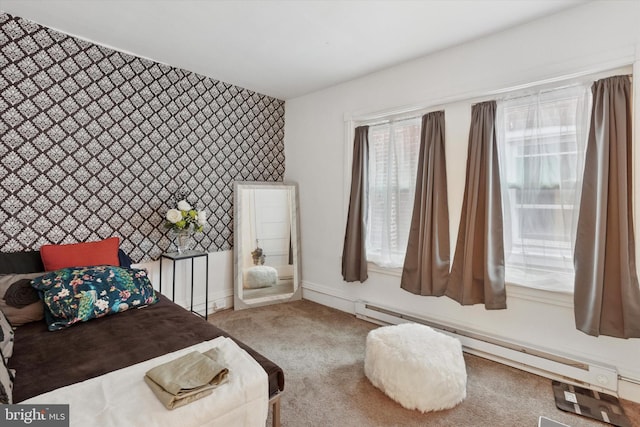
column 265, row 244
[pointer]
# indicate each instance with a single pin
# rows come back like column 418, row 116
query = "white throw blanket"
column 121, row 398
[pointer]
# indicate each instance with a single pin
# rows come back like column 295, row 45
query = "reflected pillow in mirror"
column 260, row 276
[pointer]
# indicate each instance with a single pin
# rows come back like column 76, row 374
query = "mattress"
column 46, row 360
column 240, row 402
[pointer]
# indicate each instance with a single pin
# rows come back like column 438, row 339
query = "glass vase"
column 183, row 240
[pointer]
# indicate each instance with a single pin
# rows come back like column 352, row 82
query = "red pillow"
column 104, row 252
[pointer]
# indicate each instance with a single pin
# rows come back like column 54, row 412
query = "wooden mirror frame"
column 239, row 298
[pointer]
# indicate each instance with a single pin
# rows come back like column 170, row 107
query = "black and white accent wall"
column 97, row 143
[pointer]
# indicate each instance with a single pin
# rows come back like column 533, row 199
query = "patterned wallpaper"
column 96, row 143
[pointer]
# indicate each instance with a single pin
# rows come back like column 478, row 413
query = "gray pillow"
column 19, row 316
column 6, row 383
column 21, row 294
column 6, row 337
column 7, row 280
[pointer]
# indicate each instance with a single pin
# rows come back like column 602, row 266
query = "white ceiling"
column 282, row 48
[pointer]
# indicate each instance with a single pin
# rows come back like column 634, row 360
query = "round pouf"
column 416, row 366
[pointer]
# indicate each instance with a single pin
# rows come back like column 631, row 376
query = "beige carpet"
column 321, row 351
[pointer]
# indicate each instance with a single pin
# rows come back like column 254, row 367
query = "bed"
column 45, row 361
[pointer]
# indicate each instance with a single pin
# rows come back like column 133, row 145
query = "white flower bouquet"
column 185, row 218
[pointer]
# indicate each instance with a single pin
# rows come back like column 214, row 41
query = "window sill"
column 514, row 290
column 545, row 296
column 375, row 268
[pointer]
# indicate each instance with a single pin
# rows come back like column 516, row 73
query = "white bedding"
column 121, row 398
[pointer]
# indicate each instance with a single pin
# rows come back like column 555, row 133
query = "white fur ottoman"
column 416, row 366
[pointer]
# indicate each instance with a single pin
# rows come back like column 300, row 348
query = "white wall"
column 596, row 36
column 220, row 285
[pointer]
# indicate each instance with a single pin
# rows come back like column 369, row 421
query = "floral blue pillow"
column 78, row 294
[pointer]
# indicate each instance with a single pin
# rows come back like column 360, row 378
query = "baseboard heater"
column 538, row 361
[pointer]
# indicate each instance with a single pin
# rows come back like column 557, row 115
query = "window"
column 393, row 154
column 541, row 139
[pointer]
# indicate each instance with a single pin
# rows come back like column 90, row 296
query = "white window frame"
column 391, row 256
column 629, row 64
column 543, row 261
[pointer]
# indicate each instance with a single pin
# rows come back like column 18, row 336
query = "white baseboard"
column 328, row 296
column 629, row 390
column 218, row 301
column 220, row 276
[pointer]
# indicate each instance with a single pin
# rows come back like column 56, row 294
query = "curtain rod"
column 378, row 117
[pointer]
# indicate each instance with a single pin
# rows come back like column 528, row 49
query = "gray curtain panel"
column 354, row 255
column 477, row 273
column 426, row 263
column 606, row 296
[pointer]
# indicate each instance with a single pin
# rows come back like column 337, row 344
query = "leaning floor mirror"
column 266, row 246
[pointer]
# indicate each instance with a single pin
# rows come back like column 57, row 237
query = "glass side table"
column 175, row 257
